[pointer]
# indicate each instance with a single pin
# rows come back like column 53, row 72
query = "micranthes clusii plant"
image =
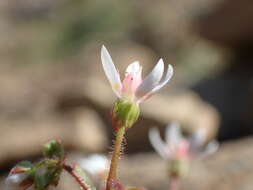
column 178, row 150
column 130, row 92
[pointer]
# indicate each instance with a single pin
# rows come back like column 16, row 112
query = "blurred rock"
column 231, row 168
column 90, row 132
column 230, row 92
column 83, row 130
column 230, row 23
column 167, row 26
column 122, row 55
column 30, row 9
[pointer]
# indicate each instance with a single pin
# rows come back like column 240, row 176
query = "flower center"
column 130, row 84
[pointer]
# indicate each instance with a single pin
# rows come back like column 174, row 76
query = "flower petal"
column 173, row 136
column 197, row 140
column 211, row 148
column 133, row 67
column 151, row 80
column 110, row 71
column 157, row 143
column 132, row 80
column 165, row 80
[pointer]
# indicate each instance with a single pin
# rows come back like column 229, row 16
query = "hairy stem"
column 115, row 156
column 75, row 175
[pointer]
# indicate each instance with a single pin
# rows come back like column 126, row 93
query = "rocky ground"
column 228, row 169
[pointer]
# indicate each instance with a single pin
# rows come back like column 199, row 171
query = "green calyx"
column 178, row 167
column 125, row 113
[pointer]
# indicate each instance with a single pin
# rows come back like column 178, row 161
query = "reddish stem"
column 70, row 169
column 174, row 183
column 115, row 157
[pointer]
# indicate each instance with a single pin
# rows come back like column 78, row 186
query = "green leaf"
column 23, row 166
column 41, row 182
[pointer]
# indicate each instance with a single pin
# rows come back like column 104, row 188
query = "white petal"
column 157, row 143
column 173, row 135
column 110, row 71
column 197, row 141
column 210, row 148
column 165, row 80
column 198, row 138
column 151, row 80
column 134, row 67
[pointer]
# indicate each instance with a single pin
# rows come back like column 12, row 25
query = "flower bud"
column 53, row 149
column 125, row 113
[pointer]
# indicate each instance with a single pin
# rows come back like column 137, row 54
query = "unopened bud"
column 125, row 113
column 53, row 149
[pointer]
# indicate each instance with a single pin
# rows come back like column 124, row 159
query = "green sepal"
column 40, row 182
column 125, row 113
column 178, row 167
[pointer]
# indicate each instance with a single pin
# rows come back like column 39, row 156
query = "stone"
column 90, row 132
column 230, row 168
column 229, row 23
column 83, row 131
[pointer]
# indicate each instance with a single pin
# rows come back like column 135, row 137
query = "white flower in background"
column 176, row 146
column 133, row 87
column 95, row 164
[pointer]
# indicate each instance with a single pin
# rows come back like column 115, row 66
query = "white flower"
column 95, row 164
column 132, row 87
column 176, row 146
